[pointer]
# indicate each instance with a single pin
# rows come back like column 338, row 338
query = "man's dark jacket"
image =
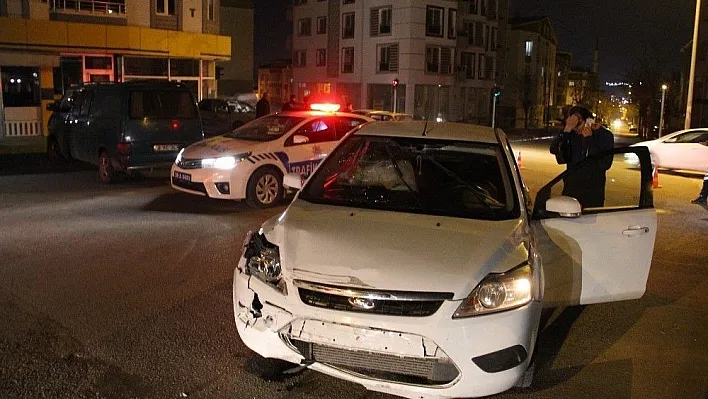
column 586, row 184
column 262, row 107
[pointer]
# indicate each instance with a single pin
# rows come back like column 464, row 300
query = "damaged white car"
column 412, row 262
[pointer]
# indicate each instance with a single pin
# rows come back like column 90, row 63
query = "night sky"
column 626, row 30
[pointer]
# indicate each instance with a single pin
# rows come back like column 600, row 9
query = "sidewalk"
column 23, row 145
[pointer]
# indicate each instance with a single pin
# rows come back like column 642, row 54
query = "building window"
column 348, row 1
column 529, row 47
column 347, row 25
column 303, row 26
column 482, row 66
column 20, row 87
column 388, row 58
column 494, row 39
column 432, row 59
column 380, row 21
column 467, row 64
column 321, row 57
column 299, row 2
column 434, row 21
column 451, row 23
column 300, row 58
column 165, row 7
column 473, row 7
column 210, row 10
column 571, row 84
column 348, row 60
column 483, row 8
column 487, row 40
column 321, row 25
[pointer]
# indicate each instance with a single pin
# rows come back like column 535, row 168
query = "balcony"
column 89, row 7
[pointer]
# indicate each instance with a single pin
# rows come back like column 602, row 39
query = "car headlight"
column 263, row 261
column 225, row 163
column 179, row 156
column 498, row 292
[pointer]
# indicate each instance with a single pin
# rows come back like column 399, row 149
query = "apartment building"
column 48, row 45
column 441, row 52
column 531, row 76
column 276, row 79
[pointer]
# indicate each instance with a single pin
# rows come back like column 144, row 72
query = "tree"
column 645, row 78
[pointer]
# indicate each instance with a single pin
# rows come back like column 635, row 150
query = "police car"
column 413, row 262
column 249, row 163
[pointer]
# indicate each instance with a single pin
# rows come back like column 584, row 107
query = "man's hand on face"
column 586, row 131
column 572, row 122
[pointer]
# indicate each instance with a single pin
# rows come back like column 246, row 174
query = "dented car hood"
column 398, row 251
column 219, row 146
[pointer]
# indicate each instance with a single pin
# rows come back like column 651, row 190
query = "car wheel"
column 265, row 188
column 106, row 173
column 54, row 152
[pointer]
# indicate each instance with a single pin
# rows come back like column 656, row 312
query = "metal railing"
column 89, row 7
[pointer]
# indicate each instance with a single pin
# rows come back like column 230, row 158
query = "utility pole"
column 692, row 75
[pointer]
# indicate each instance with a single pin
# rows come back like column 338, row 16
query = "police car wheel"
column 265, row 188
column 106, row 173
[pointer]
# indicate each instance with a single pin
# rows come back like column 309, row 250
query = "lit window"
column 529, row 47
column 571, row 83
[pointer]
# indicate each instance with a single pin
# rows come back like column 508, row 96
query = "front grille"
column 189, row 185
column 383, row 366
column 190, row 163
column 382, row 306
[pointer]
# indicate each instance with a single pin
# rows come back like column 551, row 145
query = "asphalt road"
column 125, row 292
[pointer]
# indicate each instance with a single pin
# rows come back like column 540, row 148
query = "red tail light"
column 174, row 124
column 124, row 149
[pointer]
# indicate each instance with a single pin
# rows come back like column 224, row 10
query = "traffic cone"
column 520, row 162
column 655, row 178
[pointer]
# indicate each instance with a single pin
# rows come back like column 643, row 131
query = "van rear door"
column 160, row 122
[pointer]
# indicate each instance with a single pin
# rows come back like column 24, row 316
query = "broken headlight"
column 263, row 261
column 498, row 292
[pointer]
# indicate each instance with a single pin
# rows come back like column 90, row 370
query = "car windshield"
column 267, row 128
column 436, row 177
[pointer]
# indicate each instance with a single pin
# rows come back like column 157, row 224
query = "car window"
column 162, row 104
column 85, row 106
column 345, row 124
column 205, row 105
column 67, row 100
column 688, row 137
column 318, row 130
column 436, row 177
column 267, row 128
column 221, row 106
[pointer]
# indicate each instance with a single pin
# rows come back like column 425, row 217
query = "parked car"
column 130, row 127
column 220, row 116
column 249, row 163
column 685, row 150
column 380, row 115
column 411, row 261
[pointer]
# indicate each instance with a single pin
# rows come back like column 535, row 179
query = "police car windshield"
column 267, row 128
column 435, row 177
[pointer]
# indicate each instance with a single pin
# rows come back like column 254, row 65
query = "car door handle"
column 635, row 231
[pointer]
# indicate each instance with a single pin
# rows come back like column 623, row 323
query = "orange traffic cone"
column 655, row 178
column 520, row 162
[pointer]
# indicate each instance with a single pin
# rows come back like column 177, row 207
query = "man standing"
column 703, row 195
column 263, row 106
column 581, row 138
column 291, row 105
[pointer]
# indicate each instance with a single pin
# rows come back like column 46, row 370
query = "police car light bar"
column 325, row 107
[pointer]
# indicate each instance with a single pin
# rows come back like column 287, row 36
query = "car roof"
column 433, row 130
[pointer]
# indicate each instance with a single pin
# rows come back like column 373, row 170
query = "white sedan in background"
column 685, row 150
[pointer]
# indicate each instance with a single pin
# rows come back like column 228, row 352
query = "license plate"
column 165, row 147
column 183, row 176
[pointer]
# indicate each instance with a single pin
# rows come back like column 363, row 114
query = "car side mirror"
column 299, row 139
column 293, row 180
column 567, row 207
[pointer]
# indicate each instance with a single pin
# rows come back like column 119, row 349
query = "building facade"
column 530, row 80
column 236, row 22
column 441, row 52
column 276, row 79
column 47, row 46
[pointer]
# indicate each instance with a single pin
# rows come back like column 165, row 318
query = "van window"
column 162, row 104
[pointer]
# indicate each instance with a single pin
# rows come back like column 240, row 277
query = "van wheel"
column 106, row 173
column 265, row 188
column 54, row 152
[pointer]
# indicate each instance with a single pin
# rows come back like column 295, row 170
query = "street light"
column 661, row 118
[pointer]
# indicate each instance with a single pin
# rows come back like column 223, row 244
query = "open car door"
column 602, row 252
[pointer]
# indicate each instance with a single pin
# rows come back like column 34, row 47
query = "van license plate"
column 183, row 176
column 165, row 147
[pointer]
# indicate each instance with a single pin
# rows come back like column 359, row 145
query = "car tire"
column 265, row 188
column 106, row 173
column 54, row 151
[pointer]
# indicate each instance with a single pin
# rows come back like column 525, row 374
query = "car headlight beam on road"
column 498, row 292
column 263, row 261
